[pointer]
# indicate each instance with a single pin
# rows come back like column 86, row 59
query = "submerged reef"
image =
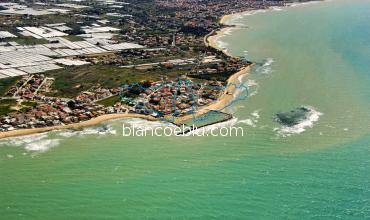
column 293, row 117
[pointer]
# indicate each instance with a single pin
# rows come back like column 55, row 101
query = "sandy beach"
column 223, row 101
column 91, row 122
column 224, row 19
column 211, row 40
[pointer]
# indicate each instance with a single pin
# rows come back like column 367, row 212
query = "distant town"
column 64, row 62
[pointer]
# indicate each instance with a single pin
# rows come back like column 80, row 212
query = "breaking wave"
column 101, row 130
column 235, row 19
column 241, row 78
column 252, row 87
column 42, row 146
column 256, row 114
column 35, row 142
column 239, row 91
column 45, row 141
column 303, row 3
column 277, row 8
column 313, row 116
column 266, row 67
column 142, row 123
column 221, row 44
column 251, row 121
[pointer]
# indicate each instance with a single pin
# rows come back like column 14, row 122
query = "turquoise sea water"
column 319, row 170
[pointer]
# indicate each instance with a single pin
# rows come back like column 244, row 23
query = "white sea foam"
column 36, row 142
column 265, row 67
column 45, row 141
column 251, row 83
column 256, row 114
column 251, row 121
column 248, row 121
column 277, row 8
column 19, row 141
column 67, row 133
column 228, row 31
column 252, row 87
column 313, row 117
column 101, row 130
column 238, row 91
column 42, row 145
column 221, row 44
column 107, row 129
column 303, row 3
column 249, row 13
column 234, row 20
column 241, row 77
column 142, row 123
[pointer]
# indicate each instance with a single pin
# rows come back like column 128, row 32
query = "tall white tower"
column 174, row 39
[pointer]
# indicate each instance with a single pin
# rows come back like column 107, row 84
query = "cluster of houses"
column 30, row 85
column 97, row 94
column 52, row 111
column 159, row 99
column 172, row 98
column 106, row 34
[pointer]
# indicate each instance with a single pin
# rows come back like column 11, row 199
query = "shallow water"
column 314, row 55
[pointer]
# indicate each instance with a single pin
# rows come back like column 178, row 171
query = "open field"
column 5, row 106
column 73, row 38
column 22, row 40
column 109, row 101
column 11, row 105
column 7, row 83
column 73, row 80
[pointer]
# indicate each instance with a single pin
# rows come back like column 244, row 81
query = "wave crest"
column 313, row 116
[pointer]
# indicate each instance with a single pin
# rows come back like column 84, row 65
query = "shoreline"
column 88, row 123
column 222, row 102
column 225, row 98
column 212, row 38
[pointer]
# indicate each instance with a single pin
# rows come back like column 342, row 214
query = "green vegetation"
column 213, row 76
column 11, row 105
column 73, row 38
column 8, row 101
column 22, row 40
column 29, row 104
column 109, row 101
column 72, row 80
column 6, row 106
column 7, row 83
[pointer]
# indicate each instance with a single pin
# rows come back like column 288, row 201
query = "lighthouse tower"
column 173, row 40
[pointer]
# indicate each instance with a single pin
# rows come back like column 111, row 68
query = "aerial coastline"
column 219, row 104
column 194, row 109
column 210, row 40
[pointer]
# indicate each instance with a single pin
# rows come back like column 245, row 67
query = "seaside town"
column 64, row 62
